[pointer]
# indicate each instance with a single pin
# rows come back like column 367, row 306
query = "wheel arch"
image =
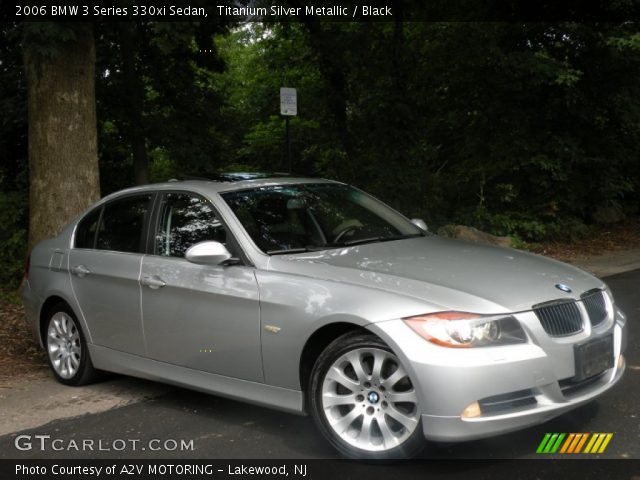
column 44, row 313
column 364, row 337
column 317, row 342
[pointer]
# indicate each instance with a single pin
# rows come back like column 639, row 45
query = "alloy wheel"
column 369, row 401
column 63, row 345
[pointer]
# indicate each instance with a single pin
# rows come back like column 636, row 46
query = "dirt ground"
column 623, row 236
column 22, row 358
column 20, row 354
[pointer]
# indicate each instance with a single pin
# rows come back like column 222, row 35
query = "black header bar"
column 336, row 11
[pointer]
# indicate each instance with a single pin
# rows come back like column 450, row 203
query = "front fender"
column 293, row 307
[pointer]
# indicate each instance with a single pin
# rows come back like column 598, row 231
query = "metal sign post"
column 286, row 121
column 288, row 108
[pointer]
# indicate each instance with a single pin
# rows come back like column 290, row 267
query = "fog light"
column 620, row 362
column 472, row 410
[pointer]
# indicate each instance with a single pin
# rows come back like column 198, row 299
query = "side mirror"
column 207, row 253
column 418, row 222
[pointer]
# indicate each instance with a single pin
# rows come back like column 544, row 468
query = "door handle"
column 153, row 281
column 80, row 271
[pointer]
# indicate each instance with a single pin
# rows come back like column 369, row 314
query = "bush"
column 568, row 230
column 514, row 224
column 526, row 228
column 13, row 238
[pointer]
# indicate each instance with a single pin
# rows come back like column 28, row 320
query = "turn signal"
column 473, row 410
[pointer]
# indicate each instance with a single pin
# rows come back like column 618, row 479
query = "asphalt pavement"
column 214, row 427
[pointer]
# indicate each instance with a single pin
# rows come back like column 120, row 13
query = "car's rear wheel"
column 363, row 400
column 66, row 347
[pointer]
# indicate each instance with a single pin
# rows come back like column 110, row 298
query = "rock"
column 606, row 215
column 473, row 234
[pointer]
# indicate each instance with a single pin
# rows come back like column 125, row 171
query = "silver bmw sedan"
column 313, row 297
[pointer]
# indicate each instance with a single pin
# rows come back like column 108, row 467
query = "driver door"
column 198, row 316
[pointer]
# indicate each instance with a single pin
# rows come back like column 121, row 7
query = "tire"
column 66, row 347
column 363, row 401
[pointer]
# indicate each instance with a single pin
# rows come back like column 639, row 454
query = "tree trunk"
column 130, row 45
column 63, row 158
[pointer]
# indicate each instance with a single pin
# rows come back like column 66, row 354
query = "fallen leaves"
column 20, row 354
column 622, row 236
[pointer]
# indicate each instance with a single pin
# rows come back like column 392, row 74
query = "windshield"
column 307, row 217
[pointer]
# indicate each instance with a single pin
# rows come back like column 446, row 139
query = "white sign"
column 288, row 101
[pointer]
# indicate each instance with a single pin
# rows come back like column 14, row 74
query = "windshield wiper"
column 375, row 240
column 328, row 246
column 296, row 250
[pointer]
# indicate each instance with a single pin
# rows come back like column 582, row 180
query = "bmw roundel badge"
column 563, row 287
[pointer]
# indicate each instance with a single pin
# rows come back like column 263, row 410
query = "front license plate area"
column 593, row 357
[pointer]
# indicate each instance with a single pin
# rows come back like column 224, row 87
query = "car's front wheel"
column 66, row 348
column 363, row 401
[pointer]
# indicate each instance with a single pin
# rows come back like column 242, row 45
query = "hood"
column 446, row 273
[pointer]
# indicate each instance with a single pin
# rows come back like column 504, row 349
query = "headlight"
column 463, row 330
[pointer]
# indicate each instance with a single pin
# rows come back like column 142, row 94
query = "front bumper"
column 458, row 429
column 536, row 376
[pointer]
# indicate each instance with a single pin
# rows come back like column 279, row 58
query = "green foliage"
column 237, row 167
column 13, row 163
column 259, row 60
column 162, row 167
column 525, row 227
column 520, row 129
column 511, row 117
column 568, row 229
column 165, row 92
column 13, row 238
column 46, row 37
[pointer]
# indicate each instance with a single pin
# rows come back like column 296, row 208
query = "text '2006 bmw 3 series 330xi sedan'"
column 311, row 296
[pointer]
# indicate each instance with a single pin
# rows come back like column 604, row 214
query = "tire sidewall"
column 408, row 449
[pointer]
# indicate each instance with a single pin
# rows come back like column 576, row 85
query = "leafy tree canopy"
column 516, row 128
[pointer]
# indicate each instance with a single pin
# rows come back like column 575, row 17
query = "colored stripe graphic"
column 605, row 442
column 599, row 444
column 578, row 437
column 568, row 442
column 543, row 443
column 591, row 443
column 583, row 439
column 574, row 443
column 550, row 443
column 556, row 446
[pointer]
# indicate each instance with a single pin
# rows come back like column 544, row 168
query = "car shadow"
column 224, row 428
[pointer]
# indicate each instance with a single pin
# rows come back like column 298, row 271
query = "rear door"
column 105, row 270
column 199, row 316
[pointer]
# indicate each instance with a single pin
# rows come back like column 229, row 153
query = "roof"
column 235, row 176
column 224, row 183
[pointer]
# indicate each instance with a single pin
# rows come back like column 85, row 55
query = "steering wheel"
column 346, row 227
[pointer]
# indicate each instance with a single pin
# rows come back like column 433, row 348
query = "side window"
column 184, row 221
column 86, row 230
column 122, row 224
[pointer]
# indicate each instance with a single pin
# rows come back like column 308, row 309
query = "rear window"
column 122, row 224
column 87, row 228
